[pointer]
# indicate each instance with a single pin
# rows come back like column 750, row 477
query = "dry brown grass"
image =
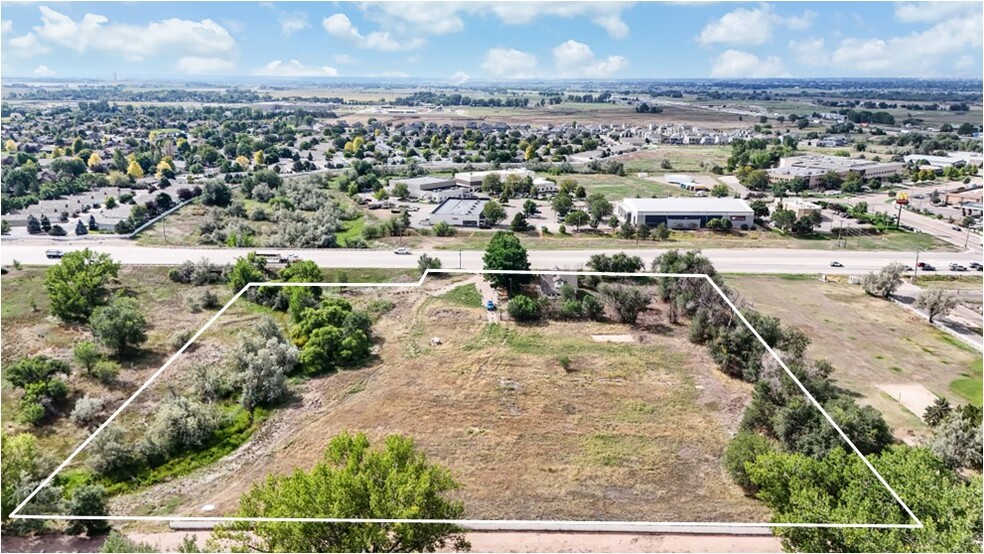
column 869, row 341
column 632, row 432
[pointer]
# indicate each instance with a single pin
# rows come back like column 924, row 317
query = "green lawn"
column 465, row 295
column 614, row 187
column 893, row 240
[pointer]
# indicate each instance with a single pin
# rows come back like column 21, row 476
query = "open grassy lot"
column 892, row 240
column 870, row 342
column 682, row 159
column 632, row 431
column 614, row 187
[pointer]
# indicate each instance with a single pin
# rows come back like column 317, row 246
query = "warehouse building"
column 433, row 189
column 460, row 212
column 685, row 213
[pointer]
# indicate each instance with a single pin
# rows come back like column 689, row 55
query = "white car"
column 402, row 250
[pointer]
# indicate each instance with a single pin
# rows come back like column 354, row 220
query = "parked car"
column 955, row 228
column 957, row 267
column 54, row 253
column 490, row 306
column 402, row 250
column 836, row 264
column 926, row 267
column 977, row 265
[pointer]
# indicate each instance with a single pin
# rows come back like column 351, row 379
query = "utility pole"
column 915, row 268
column 459, row 259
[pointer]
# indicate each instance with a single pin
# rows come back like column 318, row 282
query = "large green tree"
column 839, row 488
column 505, row 252
column 353, row 481
column 77, row 284
column 120, row 326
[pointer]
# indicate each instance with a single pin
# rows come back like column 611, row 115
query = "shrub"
column 111, row 452
column 205, row 300
column 106, row 371
column 524, row 308
column 592, row 308
column 181, row 423
column 120, row 326
column 565, row 362
column 444, row 229
column 87, row 500
column 88, row 410
column 745, row 447
column 182, row 338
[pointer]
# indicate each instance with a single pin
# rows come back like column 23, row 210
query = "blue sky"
column 468, row 41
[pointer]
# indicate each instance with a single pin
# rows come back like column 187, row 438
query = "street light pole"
column 915, row 268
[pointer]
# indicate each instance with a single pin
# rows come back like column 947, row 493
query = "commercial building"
column 958, row 159
column 545, row 187
column 473, row 179
column 812, row 167
column 460, row 212
column 685, row 213
column 434, row 189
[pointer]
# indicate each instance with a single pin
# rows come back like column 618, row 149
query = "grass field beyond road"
column 870, row 342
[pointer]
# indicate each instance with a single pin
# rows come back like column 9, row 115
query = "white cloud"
column 459, row 78
column 43, row 71
column 613, row 24
column 340, row 26
column 440, row 18
column 811, row 51
column 291, row 22
column 509, row 63
column 294, row 68
column 928, row 12
column 135, row 43
column 919, row 53
column 751, row 26
column 343, row 59
column 195, row 65
column 6, row 26
column 28, row 45
column 740, row 64
column 575, row 59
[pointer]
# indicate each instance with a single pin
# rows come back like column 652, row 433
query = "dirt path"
column 480, row 541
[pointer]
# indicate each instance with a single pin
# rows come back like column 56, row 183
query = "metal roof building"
column 459, row 211
column 685, row 213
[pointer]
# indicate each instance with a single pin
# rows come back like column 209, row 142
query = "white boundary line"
column 466, row 522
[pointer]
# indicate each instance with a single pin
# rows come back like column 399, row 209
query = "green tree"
column 353, row 481
column 577, row 218
column 936, row 302
column 743, row 449
column 24, row 466
column 401, row 191
column 519, row 223
column 87, row 355
column 426, row 262
column 562, row 204
column 493, row 212
column 720, row 190
column 938, row 411
column 885, row 282
column 77, row 284
column 662, row 232
column 505, row 252
column 839, row 488
column 216, row 193
column 523, row 308
column 120, row 326
column 262, row 361
column 247, row 269
column 87, row 500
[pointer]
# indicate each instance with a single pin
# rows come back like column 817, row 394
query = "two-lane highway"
column 730, row 260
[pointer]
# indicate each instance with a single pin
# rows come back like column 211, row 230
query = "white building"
column 473, row 179
column 685, row 213
column 812, row 167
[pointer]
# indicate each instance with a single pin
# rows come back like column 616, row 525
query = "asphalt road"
column 730, row 260
column 941, row 229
